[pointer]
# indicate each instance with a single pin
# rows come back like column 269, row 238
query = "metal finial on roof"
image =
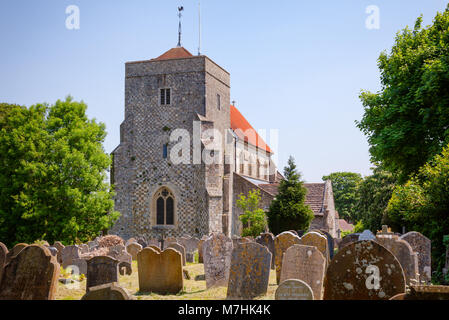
column 180, row 9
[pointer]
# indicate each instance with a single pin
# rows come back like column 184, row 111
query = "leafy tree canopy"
column 288, row 210
column 52, row 174
column 253, row 218
column 407, row 122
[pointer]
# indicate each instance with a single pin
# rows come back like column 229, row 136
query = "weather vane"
column 180, row 9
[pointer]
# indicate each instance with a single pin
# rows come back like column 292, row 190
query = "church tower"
column 176, row 92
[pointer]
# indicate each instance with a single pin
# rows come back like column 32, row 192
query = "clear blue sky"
column 296, row 66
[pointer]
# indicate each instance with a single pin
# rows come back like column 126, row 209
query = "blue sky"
column 296, row 66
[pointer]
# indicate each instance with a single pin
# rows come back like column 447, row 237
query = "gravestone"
column 189, row 243
column 404, row 253
column 93, row 245
column 293, row 289
column 129, row 241
column 160, row 273
column 101, row 270
column 217, row 251
column 110, row 291
column 3, row 254
column 422, row 246
column 364, row 270
column 250, row 271
column 71, row 257
column 424, row 293
column 83, row 248
column 318, row 240
column 58, row 245
column 267, row 240
column 155, row 248
column 305, row 263
column 348, row 239
column 143, row 243
column 330, row 243
column 200, row 249
column 367, row 235
column 181, row 250
column 53, row 251
column 15, row 251
column 133, row 249
column 32, row 274
column 119, row 253
column 282, row 242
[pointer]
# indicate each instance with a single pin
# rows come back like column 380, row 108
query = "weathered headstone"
column 181, row 250
column 318, row 240
column 110, row 291
column 58, row 245
column 363, row 270
column 101, row 270
column 71, row 257
column 32, row 274
column 155, row 248
column 200, row 249
column 217, row 251
column 119, row 253
column 160, row 272
column 422, row 246
column 129, row 241
column 282, row 242
column 305, row 263
column 53, row 251
column 83, row 248
column 3, row 254
column 367, row 235
column 424, row 293
column 348, row 239
column 189, row 243
column 267, row 240
column 133, row 249
column 143, row 243
column 93, row 245
column 250, row 271
column 404, row 253
column 294, row 289
column 15, row 251
column 330, row 242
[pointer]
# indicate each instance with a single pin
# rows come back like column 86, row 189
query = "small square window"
column 165, row 97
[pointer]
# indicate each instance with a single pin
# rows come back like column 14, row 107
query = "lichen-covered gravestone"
column 217, row 251
column 30, row 275
column 318, row 240
column 101, row 270
column 422, row 246
column 133, row 249
column 71, row 257
column 110, row 291
column 363, row 270
column 305, row 263
column 160, row 273
column 267, row 240
column 348, row 239
column 282, row 242
column 3, row 254
column 294, row 289
column 404, row 253
column 250, row 271
column 181, row 250
column 15, row 251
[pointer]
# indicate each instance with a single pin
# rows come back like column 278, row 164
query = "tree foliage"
column 407, row 122
column 52, row 174
column 253, row 218
column 422, row 204
column 288, row 210
column 344, row 186
column 374, row 192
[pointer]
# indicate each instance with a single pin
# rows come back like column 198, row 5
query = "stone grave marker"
column 422, row 246
column 101, row 270
column 15, row 251
column 110, row 291
column 282, row 242
column 305, row 263
column 155, row 248
column 32, row 274
column 427, row 292
column 58, row 245
column 133, row 249
column 160, row 272
column 3, row 254
column 267, row 240
column 294, row 289
column 217, row 251
column 363, row 270
column 367, row 235
column 180, row 249
column 318, row 240
column 250, row 271
column 348, row 239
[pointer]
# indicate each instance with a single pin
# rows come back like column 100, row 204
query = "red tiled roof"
column 175, row 53
column 246, row 132
column 344, row 225
column 314, row 197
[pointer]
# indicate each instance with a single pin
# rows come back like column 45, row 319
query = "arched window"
column 165, row 207
column 258, row 168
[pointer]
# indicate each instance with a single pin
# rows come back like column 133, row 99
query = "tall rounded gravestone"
column 364, row 270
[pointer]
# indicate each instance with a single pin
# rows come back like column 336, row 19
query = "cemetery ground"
column 193, row 289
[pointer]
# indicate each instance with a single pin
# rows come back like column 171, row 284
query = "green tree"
column 422, row 204
column 53, row 174
column 374, row 192
column 344, row 186
column 253, row 218
column 288, row 210
column 407, row 121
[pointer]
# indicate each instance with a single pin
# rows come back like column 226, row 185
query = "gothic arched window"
column 165, row 207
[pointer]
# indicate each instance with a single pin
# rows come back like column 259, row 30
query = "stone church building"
column 180, row 92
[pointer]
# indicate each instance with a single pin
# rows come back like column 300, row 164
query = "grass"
column 193, row 289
